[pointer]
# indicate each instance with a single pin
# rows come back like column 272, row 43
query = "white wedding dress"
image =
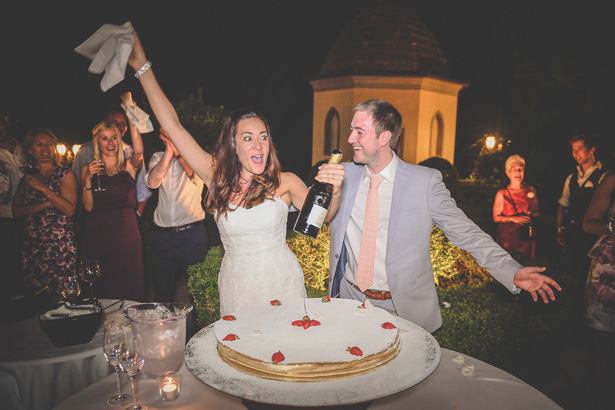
column 258, row 265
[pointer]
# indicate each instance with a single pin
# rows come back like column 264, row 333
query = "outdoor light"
column 76, row 148
column 61, row 148
column 490, row 142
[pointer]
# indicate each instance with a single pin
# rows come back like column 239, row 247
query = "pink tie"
column 367, row 253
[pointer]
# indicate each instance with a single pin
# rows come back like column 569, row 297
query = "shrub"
column 203, row 287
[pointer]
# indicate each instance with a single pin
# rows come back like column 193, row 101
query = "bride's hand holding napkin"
column 109, row 48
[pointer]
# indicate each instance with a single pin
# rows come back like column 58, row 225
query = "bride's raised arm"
column 198, row 159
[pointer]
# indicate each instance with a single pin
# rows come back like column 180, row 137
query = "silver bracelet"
column 143, row 69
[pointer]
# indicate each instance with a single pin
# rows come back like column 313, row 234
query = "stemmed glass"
column 89, row 271
column 114, row 349
column 69, row 288
column 131, row 363
column 98, row 187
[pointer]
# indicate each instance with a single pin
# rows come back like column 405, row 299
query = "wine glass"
column 89, row 271
column 114, row 350
column 131, row 362
column 98, row 186
column 69, row 288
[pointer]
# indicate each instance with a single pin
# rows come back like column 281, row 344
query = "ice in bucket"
column 162, row 329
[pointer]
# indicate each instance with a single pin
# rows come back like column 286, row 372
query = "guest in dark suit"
column 395, row 272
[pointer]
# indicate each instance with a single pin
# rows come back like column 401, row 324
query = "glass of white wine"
column 89, row 271
column 114, row 350
column 131, row 362
column 98, row 186
column 69, row 288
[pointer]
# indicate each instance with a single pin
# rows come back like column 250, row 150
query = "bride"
column 248, row 195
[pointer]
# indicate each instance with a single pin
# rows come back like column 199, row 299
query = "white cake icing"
column 265, row 329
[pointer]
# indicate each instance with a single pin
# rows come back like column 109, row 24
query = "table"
column 36, row 375
column 447, row 388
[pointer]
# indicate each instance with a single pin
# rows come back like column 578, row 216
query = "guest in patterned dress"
column 513, row 209
column 47, row 200
column 600, row 290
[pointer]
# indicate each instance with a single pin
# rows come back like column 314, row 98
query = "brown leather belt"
column 375, row 294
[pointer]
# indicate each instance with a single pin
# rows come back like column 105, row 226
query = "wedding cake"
column 305, row 340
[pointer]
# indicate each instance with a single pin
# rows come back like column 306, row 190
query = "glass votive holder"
column 169, row 384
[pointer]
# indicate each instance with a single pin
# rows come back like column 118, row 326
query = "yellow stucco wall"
column 418, row 99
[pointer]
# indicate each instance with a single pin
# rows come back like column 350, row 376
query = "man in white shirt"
column 578, row 190
column 179, row 237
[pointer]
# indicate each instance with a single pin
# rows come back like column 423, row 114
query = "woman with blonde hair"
column 111, row 234
column 47, row 199
column 248, row 195
column 513, row 210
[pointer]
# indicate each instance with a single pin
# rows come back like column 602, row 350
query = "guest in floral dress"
column 47, row 200
column 600, row 291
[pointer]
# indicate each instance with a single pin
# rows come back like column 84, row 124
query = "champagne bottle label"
column 317, row 216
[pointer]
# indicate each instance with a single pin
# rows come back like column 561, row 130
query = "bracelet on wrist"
column 87, row 188
column 143, row 69
column 50, row 195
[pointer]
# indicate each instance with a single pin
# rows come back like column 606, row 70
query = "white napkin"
column 109, row 48
column 136, row 116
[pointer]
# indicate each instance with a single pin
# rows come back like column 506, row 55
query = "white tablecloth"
column 446, row 388
column 36, row 375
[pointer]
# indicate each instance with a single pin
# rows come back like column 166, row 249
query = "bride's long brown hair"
column 227, row 168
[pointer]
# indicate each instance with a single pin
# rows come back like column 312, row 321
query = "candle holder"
column 169, row 385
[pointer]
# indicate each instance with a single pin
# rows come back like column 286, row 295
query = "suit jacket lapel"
column 400, row 186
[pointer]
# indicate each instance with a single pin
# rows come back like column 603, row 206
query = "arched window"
column 332, row 131
column 436, row 136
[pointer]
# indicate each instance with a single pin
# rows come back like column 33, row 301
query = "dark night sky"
column 262, row 53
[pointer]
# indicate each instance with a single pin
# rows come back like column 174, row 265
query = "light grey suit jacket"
column 419, row 201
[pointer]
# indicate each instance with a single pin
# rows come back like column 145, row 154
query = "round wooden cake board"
column 418, row 358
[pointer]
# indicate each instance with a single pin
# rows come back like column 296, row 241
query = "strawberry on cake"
column 307, row 339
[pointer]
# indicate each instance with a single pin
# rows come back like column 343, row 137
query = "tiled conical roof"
column 385, row 38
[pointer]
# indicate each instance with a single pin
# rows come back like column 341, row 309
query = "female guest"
column 248, row 195
column 600, row 290
column 48, row 200
column 111, row 235
column 513, row 210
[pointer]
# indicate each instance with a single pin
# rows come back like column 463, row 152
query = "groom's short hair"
column 384, row 116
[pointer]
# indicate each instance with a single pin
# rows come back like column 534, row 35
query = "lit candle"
column 170, row 391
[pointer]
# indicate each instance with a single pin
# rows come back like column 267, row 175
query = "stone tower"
column 387, row 52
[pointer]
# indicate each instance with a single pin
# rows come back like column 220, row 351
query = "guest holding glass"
column 111, row 235
column 513, row 210
column 47, row 200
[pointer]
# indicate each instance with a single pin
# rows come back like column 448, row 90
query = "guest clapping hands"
column 47, row 200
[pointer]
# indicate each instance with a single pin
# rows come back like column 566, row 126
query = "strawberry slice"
column 306, row 322
column 297, row 323
column 326, row 299
column 229, row 317
column 277, row 357
column 230, row 337
column 355, row 351
column 389, row 325
column 314, row 323
column 275, row 302
column 362, row 306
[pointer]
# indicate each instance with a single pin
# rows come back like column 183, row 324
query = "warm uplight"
column 490, row 142
column 61, row 148
column 76, row 148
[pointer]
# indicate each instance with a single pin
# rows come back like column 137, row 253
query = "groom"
column 380, row 235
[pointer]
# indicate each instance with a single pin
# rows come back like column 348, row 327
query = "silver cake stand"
column 418, row 358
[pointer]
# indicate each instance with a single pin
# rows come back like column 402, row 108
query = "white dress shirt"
column 352, row 239
column 179, row 196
